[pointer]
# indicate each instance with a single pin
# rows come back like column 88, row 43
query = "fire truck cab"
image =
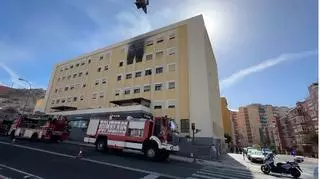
column 40, row 127
column 153, row 137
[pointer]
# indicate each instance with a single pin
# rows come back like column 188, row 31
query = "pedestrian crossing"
column 216, row 172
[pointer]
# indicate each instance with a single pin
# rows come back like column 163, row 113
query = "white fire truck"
column 154, row 137
column 40, row 127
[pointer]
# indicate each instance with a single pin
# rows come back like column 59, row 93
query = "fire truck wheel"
column 151, row 153
column 34, row 137
column 101, row 145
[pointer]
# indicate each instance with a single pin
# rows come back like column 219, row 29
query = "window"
column 101, row 95
column 138, row 74
column 171, row 85
column 52, row 102
column 71, row 87
column 97, row 82
column 89, row 61
column 128, row 76
column 171, row 51
column 59, row 79
column 104, row 81
column 149, row 43
column 61, row 70
column 136, row 90
column 74, row 75
column 75, row 99
column 185, row 125
column 172, row 67
column 120, row 64
column 101, row 57
column 84, row 85
column 56, row 90
column 172, row 36
column 127, row 91
column 71, row 66
column 147, row 88
column 99, row 69
column 106, row 68
column 63, row 100
column 94, row 96
column 81, row 98
column 82, row 63
column 171, row 106
column 66, row 88
column 117, row 92
column 77, row 65
column 148, row 72
column 139, row 58
column 87, row 73
column 119, row 77
column 63, row 78
column 58, row 101
column 159, row 54
column 159, row 70
column 80, row 74
column 158, row 87
column 149, row 57
column 69, row 99
column 66, row 68
column 160, row 40
column 69, row 76
column 157, row 107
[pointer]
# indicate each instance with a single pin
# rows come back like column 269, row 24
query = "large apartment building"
column 169, row 71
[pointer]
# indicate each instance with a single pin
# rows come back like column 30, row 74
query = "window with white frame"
column 75, row 99
column 71, row 87
column 148, row 57
column 117, row 92
column 159, row 70
column 147, row 88
column 136, row 90
column 128, row 75
column 69, row 99
column 81, row 98
column 171, row 104
column 119, row 77
column 77, row 86
column 149, row 43
column 158, row 106
column 171, row 85
column 94, row 96
column 127, row 91
column 171, row 67
column 106, row 68
column 138, row 74
column 158, row 87
column 104, row 81
column 159, row 54
column 171, row 51
column 97, row 82
column 80, row 74
column 52, row 101
column 101, row 95
column 58, row 101
column 74, row 75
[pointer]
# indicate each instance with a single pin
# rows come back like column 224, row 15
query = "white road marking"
column 150, row 176
column 92, row 161
column 206, row 177
column 20, row 171
column 216, row 174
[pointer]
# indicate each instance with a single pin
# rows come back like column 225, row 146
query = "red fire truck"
column 40, row 127
column 154, row 137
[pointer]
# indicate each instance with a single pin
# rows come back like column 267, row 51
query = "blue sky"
column 265, row 50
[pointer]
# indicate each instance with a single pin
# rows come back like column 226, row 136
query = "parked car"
column 256, row 156
column 266, row 151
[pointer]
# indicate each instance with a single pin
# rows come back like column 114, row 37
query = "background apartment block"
column 171, row 70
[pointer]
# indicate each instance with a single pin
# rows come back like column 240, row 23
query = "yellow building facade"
column 227, row 125
column 172, row 67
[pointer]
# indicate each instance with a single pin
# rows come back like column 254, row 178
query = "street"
column 24, row 159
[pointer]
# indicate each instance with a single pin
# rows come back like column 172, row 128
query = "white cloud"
column 240, row 75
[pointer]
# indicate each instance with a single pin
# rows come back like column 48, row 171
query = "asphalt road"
column 59, row 161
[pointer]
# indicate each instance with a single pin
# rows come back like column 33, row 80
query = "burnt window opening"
column 135, row 51
column 130, row 56
column 148, row 72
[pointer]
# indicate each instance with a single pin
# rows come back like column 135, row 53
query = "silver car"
column 255, row 155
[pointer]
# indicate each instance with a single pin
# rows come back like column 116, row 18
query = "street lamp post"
column 27, row 100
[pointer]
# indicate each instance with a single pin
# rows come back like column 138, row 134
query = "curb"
column 173, row 157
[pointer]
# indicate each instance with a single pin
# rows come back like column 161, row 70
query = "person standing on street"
column 244, row 155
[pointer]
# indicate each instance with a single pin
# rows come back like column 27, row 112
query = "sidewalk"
column 223, row 162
